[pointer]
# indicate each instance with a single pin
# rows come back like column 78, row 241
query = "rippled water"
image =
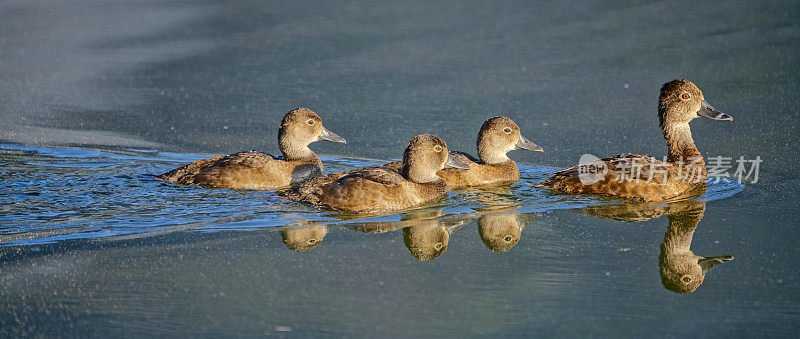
column 54, row 194
column 97, row 94
column 89, row 217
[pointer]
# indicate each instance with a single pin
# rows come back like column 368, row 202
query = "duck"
column 497, row 136
column 379, row 188
column 256, row 170
column 642, row 177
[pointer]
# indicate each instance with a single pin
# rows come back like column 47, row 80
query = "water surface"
column 95, row 95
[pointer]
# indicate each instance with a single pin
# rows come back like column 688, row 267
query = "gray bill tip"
column 708, row 111
column 330, row 136
column 455, row 163
column 707, row 263
column 524, row 143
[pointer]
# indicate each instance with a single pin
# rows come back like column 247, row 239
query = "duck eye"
column 311, row 241
column 438, row 246
column 685, row 96
column 507, row 130
column 508, row 238
column 437, row 148
column 310, row 122
column 687, row 279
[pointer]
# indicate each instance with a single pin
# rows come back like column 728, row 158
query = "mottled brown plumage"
column 643, row 177
column 379, row 188
column 255, row 170
column 497, row 136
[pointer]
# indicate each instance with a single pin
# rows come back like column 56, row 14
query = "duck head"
column 424, row 156
column 299, row 128
column 498, row 136
column 682, row 101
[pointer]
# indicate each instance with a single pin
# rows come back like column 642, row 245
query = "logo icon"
column 591, row 169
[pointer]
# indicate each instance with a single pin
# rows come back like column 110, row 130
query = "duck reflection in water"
column 426, row 240
column 499, row 226
column 500, row 232
column 426, row 233
column 681, row 270
column 303, row 238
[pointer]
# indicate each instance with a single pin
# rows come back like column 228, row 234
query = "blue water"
column 97, row 94
column 57, row 194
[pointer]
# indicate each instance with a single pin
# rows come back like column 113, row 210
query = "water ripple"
column 54, row 194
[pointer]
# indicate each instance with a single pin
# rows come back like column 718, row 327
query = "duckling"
column 643, row 177
column 379, row 188
column 681, row 270
column 255, row 170
column 497, row 136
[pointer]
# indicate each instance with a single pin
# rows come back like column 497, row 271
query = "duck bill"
column 708, row 111
column 707, row 263
column 330, row 136
column 455, row 163
column 452, row 228
column 528, row 145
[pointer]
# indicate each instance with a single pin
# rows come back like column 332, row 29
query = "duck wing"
column 204, row 172
column 313, row 190
column 394, row 165
column 614, row 164
column 464, row 157
column 247, row 159
column 379, row 174
column 627, row 175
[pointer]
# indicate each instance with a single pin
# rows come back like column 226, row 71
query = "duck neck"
column 488, row 153
column 680, row 144
column 419, row 175
column 294, row 151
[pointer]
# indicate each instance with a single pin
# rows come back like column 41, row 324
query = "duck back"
column 631, row 176
column 368, row 189
column 479, row 173
column 246, row 170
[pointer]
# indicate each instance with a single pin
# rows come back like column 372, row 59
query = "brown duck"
column 643, row 177
column 255, row 170
column 379, row 188
column 498, row 136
